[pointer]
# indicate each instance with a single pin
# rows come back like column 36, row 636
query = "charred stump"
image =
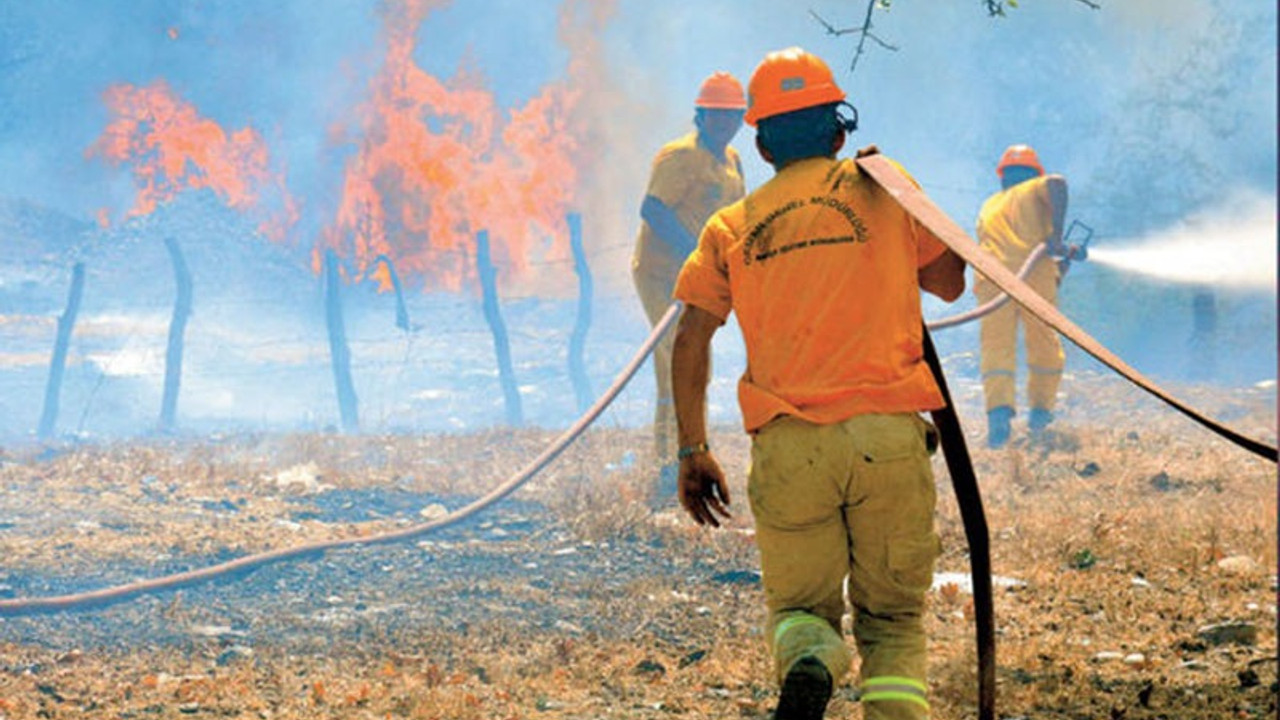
column 339, row 351
column 177, row 335
column 492, row 315
column 58, row 363
column 577, row 366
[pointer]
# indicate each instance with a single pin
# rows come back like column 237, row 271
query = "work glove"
column 1077, row 252
column 703, row 490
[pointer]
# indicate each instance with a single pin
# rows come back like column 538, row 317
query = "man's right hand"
column 703, row 490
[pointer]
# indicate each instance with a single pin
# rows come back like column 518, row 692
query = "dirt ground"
column 1141, row 550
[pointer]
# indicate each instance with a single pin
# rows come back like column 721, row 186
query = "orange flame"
column 171, row 148
column 432, row 167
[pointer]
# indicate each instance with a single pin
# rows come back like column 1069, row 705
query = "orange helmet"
column 789, row 80
column 1019, row 155
column 721, row 91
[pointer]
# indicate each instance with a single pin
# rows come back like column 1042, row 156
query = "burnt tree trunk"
column 577, row 366
column 339, row 352
column 492, row 314
column 177, row 335
column 402, row 312
column 66, row 323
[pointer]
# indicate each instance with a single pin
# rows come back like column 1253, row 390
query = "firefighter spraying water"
column 1028, row 212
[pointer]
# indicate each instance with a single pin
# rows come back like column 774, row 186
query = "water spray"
column 1235, row 251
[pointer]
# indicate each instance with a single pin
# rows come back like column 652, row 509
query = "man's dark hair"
column 799, row 134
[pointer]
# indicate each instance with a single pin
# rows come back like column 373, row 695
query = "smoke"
column 1165, row 15
column 1232, row 246
column 403, row 126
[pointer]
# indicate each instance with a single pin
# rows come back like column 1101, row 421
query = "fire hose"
column 955, row 451
column 931, row 216
column 965, row 483
column 994, row 303
column 997, row 302
column 107, row 596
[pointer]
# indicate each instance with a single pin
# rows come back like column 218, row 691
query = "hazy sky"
column 1157, row 111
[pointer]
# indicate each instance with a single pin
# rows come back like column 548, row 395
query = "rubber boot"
column 805, row 691
column 998, row 427
column 1039, row 420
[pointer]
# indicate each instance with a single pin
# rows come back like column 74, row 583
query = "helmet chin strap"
column 847, row 124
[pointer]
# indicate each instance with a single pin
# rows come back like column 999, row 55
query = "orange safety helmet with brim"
column 1019, row 155
column 789, row 80
column 721, row 91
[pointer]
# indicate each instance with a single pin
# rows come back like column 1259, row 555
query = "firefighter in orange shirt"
column 692, row 177
column 1028, row 210
column 823, row 270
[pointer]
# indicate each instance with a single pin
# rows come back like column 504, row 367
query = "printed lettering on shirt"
column 759, row 246
column 760, row 237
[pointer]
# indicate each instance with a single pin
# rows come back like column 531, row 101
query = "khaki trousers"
column 852, row 499
column 655, row 292
column 999, row 338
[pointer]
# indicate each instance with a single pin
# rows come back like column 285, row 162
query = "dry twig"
column 863, row 33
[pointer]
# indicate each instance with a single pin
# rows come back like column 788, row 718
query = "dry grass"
column 1128, row 543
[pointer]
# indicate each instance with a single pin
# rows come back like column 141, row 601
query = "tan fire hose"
column 931, row 216
column 955, row 451
column 994, row 303
column 108, row 596
column 956, row 454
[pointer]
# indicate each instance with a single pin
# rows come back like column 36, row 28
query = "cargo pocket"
column 911, row 560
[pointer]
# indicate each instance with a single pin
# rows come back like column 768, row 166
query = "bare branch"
column 994, row 8
column 863, row 33
column 862, row 39
column 882, row 43
column 831, row 29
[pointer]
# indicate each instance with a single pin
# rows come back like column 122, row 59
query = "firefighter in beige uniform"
column 1028, row 211
column 692, row 177
column 823, row 270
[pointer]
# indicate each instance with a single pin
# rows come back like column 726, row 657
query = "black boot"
column 805, row 691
